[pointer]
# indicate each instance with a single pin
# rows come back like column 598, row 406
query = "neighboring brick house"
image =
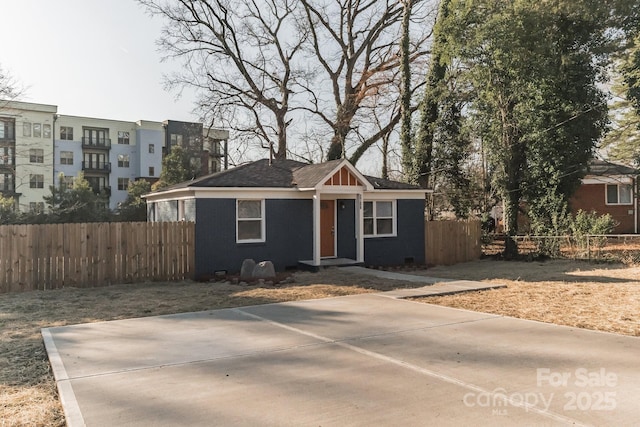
column 610, row 188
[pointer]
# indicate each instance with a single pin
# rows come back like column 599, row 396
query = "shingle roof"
column 280, row 174
column 605, row 168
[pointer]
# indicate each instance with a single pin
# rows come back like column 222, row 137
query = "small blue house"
column 294, row 213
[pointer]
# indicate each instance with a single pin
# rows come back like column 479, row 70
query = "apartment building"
column 40, row 148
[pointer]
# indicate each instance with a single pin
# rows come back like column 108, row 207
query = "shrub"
column 586, row 224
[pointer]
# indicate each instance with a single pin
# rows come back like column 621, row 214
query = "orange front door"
column 327, row 228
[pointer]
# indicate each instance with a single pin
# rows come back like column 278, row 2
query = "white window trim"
column 394, row 219
column 606, row 199
column 262, row 222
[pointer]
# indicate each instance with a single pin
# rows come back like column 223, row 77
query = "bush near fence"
column 53, row 256
column 451, row 242
column 602, row 247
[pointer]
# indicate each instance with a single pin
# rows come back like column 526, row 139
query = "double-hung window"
column 123, row 137
column 36, row 181
column 36, row 155
column 380, row 218
column 619, row 194
column 250, row 221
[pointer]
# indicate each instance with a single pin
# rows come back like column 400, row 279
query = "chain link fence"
column 610, row 247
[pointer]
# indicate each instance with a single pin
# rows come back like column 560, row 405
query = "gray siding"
column 167, row 211
column 190, row 210
column 409, row 243
column 289, row 236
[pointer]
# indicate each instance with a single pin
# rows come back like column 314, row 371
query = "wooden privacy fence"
column 451, row 242
column 52, row 256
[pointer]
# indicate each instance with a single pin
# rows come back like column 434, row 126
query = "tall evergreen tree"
column 532, row 71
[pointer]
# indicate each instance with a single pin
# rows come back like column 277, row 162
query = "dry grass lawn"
column 603, row 297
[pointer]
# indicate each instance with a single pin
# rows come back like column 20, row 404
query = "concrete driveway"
column 356, row 360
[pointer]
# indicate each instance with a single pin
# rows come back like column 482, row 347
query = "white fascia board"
column 250, row 193
column 177, row 194
column 395, row 194
column 341, row 190
column 611, row 179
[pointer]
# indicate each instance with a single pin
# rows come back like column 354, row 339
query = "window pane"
column 385, row 226
column 2, row 125
column 37, row 130
column 46, row 130
column 249, row 209
column 612, row 194
column 368, row 226
column 26, row 129
column 250, row 230
column 625, row 194
column 384, row 209
column 368, row 209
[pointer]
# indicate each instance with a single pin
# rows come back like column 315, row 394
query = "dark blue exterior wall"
column 289, row 235
column 409, row 243
column 346, row 228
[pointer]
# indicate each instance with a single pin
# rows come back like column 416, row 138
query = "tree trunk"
column 405, row 95
column 423, row 155
column 513, row 194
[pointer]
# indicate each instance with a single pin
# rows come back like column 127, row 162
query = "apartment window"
column 152, row 171
column 7, row 182
column 36, row 207
column 66, row 133
column 97, row 183
column 99, row 137
column 36, row 181
column 123, row 184
column 619, row 194
column 96, row 161
column 176, row 139
column 46, row 130
column 379, row 218
column 152, row 148
column 37, row 130
column 123, row 137
column 6, row 128
column 26, row 129
column 66, row 182
column 250, row 221
column 6, row 156
column 36, row 155
column 123, row 160
column 66, row 157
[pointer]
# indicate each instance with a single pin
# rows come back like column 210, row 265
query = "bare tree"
column 10, row 88
column 356, row 44
column 239, row 55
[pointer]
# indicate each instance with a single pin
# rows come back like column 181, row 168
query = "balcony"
column 100, row 167
column 9, row 191
column 99, row 144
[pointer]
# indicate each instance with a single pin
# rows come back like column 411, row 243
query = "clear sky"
column 94, row 58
